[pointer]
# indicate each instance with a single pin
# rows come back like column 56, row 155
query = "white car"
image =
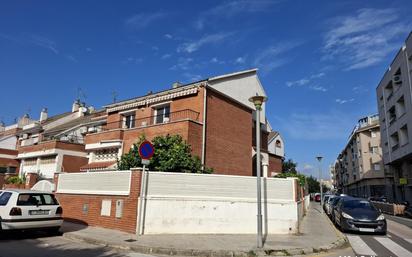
column 27, row 209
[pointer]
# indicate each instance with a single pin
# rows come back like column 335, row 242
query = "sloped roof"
column 272, row 135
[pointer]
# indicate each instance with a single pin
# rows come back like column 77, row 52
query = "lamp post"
column 258, row 101
column 319, row 158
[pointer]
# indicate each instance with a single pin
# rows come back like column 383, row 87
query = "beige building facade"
column 359, row 169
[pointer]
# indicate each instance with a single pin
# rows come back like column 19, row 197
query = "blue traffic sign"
column 146, row 150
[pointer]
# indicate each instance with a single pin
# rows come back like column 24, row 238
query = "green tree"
column 289, row 166
column 172, row 154
column 301, row 177
column 313, row 185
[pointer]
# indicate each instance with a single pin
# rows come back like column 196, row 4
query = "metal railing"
column 165, row 118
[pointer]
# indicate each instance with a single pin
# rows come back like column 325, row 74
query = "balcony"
column 29, row 141
column 154, row 120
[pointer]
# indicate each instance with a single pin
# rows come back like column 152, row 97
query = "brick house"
column 213, row 115
column 55, row 144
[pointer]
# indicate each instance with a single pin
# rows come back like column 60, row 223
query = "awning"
column 98, row 166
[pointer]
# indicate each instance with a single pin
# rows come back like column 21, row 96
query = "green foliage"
column 301, row 177
column 172, row 154
column 314, row 185
column 289, row 166
column 16, row 180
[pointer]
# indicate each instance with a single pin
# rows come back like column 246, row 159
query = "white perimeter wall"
column 217, row 204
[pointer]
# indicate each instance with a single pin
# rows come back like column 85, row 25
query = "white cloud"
column 155, row 48
column 168, row 36
column 88, row 49
column 318, row 88
column 166, row 56
column 230, row 9
column 307, row 81
column 344, row 101
column 182, row 64
column 44, row 42
column 190, row 47
column 133, row 60
column 71, row 58
column 192, row 77
column 240, row 60
column 364, row 39
column 317, row 126
column 273, row 56
column 217, row 61
column 142, row 20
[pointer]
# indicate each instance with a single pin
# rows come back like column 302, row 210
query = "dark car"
column 333, row 204
column 354, row 214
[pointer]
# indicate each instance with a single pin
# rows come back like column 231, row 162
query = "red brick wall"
column 275, row 164
column 228, row 136
column 73, row 163
column 106, row 135
column 73, row 208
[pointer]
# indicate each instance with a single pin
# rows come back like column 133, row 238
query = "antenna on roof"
column 114, row 95
column 81, row 95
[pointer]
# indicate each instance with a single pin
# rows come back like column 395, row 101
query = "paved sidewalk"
column 317, row 234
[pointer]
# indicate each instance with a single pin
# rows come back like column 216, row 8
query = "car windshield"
column 335, row 200
column 358, row 204
column 36, row 199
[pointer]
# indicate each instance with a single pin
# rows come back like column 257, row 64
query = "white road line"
column 400, row 230
column 393, row 247
column 359, row 246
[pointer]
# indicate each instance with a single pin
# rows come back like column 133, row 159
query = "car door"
column 338, row 210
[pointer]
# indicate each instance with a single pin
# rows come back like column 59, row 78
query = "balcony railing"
column 154, row 120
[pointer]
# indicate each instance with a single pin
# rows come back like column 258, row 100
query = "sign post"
column 146, row 152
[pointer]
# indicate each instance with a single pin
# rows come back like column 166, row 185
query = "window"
column 373, row 133
column 278, row 143
column 48, row 160
column 400, row 106
column 4, row 198
column 128, row 120
column 389, row 90
column 403, row 135
column 392, row 114
column 30, row 162
column 394, row 141
column 162, row 114
column 36, row 199
column 374, row 149
column 377, row 166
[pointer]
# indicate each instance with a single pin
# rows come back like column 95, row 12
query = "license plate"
column 366, row 230
column 39, row 212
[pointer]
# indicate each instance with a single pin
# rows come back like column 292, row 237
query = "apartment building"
column 394, row 97
column 358, row 170
column 55, row 144
column 8, row 144
column 213, row 115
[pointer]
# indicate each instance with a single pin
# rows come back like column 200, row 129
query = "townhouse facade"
column 55, row 144
column 359, row 170
column 394, row 99
column 8, row 144
column 213, row 115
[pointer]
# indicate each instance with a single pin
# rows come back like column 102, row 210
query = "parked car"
column 27, row 209
column 328, row 204
column 317, row 197
column 325, row 200
column 378, row 199
column 354, row 214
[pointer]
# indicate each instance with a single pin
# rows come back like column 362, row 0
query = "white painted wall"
column 100, row 183
column 274, row 149
column 197, row 203
column 240, row 87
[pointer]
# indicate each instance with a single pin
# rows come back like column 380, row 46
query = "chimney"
column 176, row 84
column 43, row 115
column 76, row 106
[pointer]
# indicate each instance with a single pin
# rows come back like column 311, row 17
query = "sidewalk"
column 317, row 234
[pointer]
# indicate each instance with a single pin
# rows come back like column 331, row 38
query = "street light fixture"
column 319, row 158
column 258, row 101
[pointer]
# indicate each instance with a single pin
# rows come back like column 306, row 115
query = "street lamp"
column 319, row 158
column 258, row 100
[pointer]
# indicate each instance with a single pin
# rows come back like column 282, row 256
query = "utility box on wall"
column 119, row 208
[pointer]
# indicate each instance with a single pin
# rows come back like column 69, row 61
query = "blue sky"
column 319, row 61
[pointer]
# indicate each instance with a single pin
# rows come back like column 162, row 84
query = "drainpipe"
column 204, row 127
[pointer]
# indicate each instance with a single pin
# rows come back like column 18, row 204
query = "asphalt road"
column 397, row 242
column 38, row 244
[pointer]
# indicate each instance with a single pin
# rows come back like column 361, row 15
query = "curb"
column 210, row 253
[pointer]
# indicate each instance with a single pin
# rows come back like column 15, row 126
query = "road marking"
column 400, row 230
column 393, row 247
column 359, row 246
